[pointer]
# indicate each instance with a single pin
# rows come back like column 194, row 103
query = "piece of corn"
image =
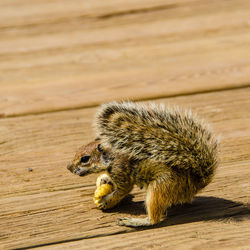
column 101, row 191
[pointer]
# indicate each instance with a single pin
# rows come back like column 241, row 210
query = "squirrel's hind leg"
column 134, row 222
column 157, row 202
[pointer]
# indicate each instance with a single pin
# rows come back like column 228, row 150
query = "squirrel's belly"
column 146, row 172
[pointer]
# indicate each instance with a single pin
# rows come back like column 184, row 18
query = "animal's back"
column 158, row 134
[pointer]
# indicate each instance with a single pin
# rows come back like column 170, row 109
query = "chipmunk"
column 170, row 153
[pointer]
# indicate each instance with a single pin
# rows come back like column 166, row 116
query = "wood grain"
column 62, row 55
column 51, row 207
column 60, row 59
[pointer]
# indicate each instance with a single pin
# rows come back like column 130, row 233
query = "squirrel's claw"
column 107, row 202
column 102, row 204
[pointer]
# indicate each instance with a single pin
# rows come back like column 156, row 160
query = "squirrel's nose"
column 69, row 166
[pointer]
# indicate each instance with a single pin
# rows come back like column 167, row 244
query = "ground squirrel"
column 167, row 151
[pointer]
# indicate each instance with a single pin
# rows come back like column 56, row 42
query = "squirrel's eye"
column 85, row 159
column 99, row 148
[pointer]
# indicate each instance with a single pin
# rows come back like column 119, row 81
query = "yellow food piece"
column 101, row 191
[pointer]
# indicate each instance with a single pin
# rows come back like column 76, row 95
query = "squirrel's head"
column 90, row 158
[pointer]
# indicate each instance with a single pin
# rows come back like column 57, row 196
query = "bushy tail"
column 158, row 134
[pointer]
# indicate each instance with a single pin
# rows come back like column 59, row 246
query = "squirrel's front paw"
column 105, row 202
column 101, row 194
column 104, row 179
column 102, row 203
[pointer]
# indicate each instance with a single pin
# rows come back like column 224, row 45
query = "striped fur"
column 158, row 134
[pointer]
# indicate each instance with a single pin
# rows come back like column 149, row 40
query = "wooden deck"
column 60, row 59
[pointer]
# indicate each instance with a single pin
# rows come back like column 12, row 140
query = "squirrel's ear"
column 99, row 148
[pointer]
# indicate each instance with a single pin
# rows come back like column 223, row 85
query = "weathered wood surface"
column 61, row 55
column 70, row 56
column 50, row 205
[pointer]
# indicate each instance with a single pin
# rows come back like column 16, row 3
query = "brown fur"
column 170, row 153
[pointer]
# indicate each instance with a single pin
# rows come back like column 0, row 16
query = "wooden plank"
column 50, row 205
column 118, row 54
column 190, row 235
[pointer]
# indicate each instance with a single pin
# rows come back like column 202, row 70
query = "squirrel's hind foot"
column 134, row 222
